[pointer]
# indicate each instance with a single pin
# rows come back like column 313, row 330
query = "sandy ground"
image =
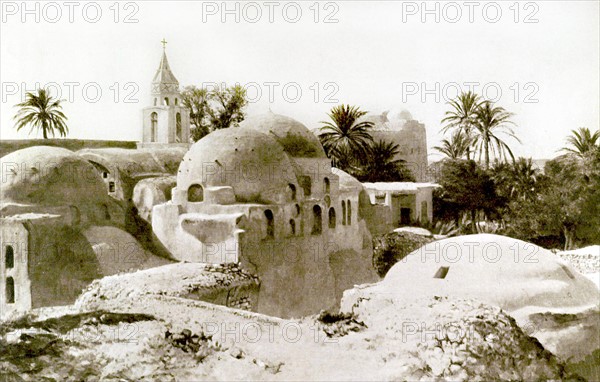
column 147, row 331
column 164, row 338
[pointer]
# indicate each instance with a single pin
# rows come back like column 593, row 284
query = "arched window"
column 270, row 224
column 10, row 290
column 292, row 189
column 327, row 186
column 9, row 257
column 155, row 101
column 178, row 127
column 298, row 210
column 195, row 193
column 317, row 221
column 166, row 101
column 343, row 212
column 349, row 207
column 176, row 102
column 153, row 126
column 292, row 227
column 332, row 221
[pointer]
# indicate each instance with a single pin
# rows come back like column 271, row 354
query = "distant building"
column 409, row 134
column 59, row 230
column 264, row 194
column 166, row 122
column 408, row 202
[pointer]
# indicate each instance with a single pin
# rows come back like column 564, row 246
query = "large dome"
column 52, row 176
column 295, row 138
column 252, row 163
column 495, row 269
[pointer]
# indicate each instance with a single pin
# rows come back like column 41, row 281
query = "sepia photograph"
column 309, row 190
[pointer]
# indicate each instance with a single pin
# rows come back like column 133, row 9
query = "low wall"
column 10, row 145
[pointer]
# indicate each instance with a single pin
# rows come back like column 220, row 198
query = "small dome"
column 252, row 163
column 52, row 176
column 296, row 139
column 402, row 114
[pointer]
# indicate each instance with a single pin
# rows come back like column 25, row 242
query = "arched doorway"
column 332, row 220
column 317, row 221
column 270, row 224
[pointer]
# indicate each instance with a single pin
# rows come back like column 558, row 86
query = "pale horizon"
column 366, row 59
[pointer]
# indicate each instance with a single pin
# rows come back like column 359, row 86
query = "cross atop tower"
column 164, row 43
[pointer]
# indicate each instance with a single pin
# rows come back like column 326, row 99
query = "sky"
column 537, row 59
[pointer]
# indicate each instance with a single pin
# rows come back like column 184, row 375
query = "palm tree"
column 42, row 111
column 382, row 165
column 457, row 147
column 462, row 115
column 346, row 135
column 523, row 179
column 489, row 121
column 583, row 141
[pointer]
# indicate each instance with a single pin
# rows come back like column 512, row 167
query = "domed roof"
column 401, row 114
column 252, row 163
column 495, row 269
column 52, row 176
column 295, row 138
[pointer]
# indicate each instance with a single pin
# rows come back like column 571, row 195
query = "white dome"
column 495, row 269
column 254, row 164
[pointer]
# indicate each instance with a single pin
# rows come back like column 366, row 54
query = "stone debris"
column 585, row 260
column 200, row 345
column 459, row 340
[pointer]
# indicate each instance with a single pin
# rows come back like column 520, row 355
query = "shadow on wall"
column 142, row 231
column 61, row 264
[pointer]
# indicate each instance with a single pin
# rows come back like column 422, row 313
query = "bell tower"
column 166, row 121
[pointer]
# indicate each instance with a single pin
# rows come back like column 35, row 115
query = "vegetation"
column 466, row 188
column 390, row 248
column 348, row 142
column 213, row 110
column 43, row 112
column 476, row 125
column 381, row 165
column 457, row 147
column 489, row 121
column 559, row 206
column 582, row 141
column 462, row 116
column 345, row 138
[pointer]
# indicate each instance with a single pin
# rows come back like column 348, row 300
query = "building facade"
column 166, row 121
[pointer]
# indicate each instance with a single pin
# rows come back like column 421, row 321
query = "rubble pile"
column 585, row 260
column 458, row 340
